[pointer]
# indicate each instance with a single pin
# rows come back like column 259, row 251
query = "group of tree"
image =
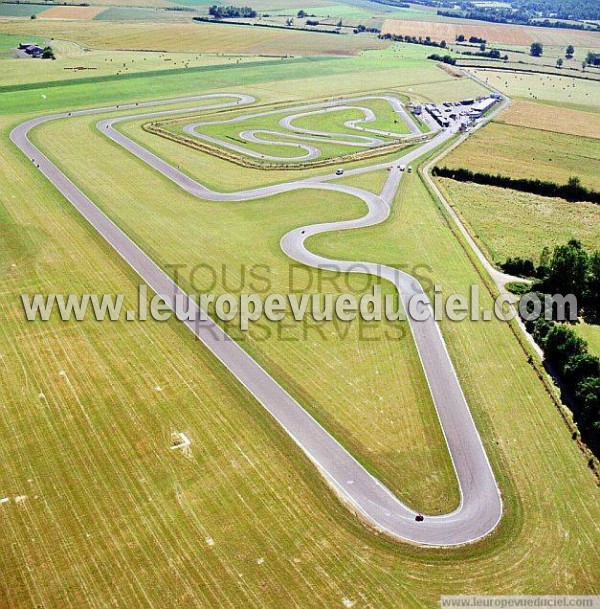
column 569, row 269
column 571, row 191
column 443, row 58
column 415, row 40
column 232, row 12
column 492, row 54
column 521, row 13
column 593, row 59
column 577, row 369
column 472, row 39
column 559, row 9
column 359, row 29
column 536, row 49
column 48, row 53
column 396, row 3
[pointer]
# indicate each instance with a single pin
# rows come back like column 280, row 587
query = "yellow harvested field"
column 507, row 34
column 83, row 13
column 552, row 118
column 200, row 38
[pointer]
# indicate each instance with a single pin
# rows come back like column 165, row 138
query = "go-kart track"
column 293, row 132
column 480, row 507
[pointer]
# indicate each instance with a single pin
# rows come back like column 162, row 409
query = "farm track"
column 480, row 507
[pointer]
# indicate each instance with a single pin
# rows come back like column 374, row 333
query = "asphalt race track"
column 480, row 508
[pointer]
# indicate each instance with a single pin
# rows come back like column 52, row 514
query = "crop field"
column 362, row 10
column 568, row 92
column 80, row 13
column 511, row 223
column 131, row 13
column 493, row 33
column 529, row 153
column 551, row 118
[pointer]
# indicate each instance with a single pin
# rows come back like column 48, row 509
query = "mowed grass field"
column 551, row 89
column 511, row 223
column 520, row 152
column 75, row 63
column 395, row 68
column 8, row 44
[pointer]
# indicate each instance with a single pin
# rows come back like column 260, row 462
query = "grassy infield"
column 110, row 514
column 387, row 121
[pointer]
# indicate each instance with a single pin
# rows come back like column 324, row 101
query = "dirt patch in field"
column 81, row 13
column 552, row 118
column 506, row 34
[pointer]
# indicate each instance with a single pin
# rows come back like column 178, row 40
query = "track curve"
column 480, row 507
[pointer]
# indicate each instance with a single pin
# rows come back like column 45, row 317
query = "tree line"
column 443, row 58
column 427, row 41
column 512, row 17
column 231, row 12
column 593, row 59
column 569, row 269
column 571, row 191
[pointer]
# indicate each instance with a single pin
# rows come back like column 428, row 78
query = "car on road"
column 339, row 172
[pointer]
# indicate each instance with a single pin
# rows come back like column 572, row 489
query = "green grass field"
column 591, row 333
column 8, row 44
column 74, row 63
column 101, row 512
column 20, row 10
column 529, row 153
column 511, row 223
column 386, row 69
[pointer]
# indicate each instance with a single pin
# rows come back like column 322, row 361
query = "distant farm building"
column 31, row 49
